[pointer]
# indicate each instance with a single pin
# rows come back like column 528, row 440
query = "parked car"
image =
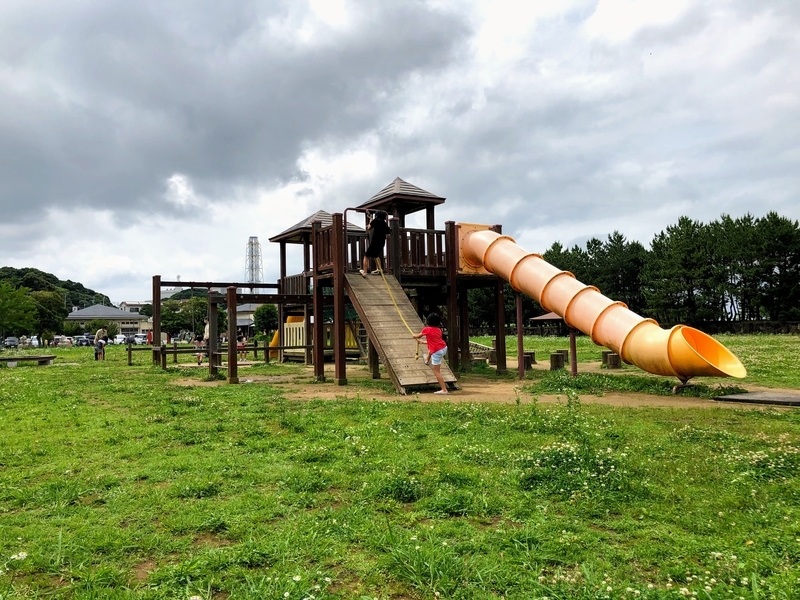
column 119, row 339
column 33, row 342
column 82, row 340
column 11, row 342
column 139, row 338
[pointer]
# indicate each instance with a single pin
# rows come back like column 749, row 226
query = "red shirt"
column 433, row 336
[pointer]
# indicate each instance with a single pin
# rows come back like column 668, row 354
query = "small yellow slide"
column 276, row 338
column 682, row 352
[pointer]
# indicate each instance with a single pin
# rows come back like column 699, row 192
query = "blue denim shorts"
column 436, row 357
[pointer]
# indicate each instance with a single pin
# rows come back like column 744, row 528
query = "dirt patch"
column 142, row 571
column 473, row 389
column 211, row 540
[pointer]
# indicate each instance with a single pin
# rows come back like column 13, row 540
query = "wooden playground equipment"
column 425, row 271
column 420, row 276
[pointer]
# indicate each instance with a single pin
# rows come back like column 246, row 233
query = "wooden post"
column 340, row 358
column 556, row 361
column 573, row 353
column 520, row 345
column 175, row 352
column 566, row 355
column 163, row 354
column 396, row 244
column 281, row 310
column 604, row 356
column 266, row 352
column 500, row 325
column 233, row 367
column 451, row 262
column 500, row 318
column 156, row 316
column 212, row 342
column 255, row 349
column 319, row 333
column 130, row 355
column 463, row 333
column 614, row 361
column 372, row 355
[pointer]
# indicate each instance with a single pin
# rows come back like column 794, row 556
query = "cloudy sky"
column 155, row 137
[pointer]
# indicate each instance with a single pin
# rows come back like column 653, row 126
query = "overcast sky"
column 155, row 137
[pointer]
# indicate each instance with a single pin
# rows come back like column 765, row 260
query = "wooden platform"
column 390, row 337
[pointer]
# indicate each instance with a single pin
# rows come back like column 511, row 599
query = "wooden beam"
column 266, row 299
column 219, row 284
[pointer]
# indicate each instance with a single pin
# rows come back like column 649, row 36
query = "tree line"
column 729, row 270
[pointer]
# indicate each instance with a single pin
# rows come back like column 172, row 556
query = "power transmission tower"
column 253, row 269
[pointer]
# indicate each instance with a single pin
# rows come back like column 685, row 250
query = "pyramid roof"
column 408, row 197
column 299, row 232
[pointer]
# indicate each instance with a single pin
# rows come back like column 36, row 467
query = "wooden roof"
column 406, row 196
column 300, row 232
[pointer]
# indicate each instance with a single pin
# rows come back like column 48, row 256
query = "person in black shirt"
column 377, row 230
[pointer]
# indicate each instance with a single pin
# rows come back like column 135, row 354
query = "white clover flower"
column 20, row 556
column 327, row 580
column 285, row 594
column 195, row 598
column 297, row 578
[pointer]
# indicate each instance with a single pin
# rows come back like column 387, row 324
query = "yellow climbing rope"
column 397, row 308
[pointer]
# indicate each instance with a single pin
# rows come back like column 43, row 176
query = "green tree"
column 195, row 312
column 50, row 311
column 146, row 310
column 683, row 279
column 17, row 311
column 173, row 319
column 779, row 267
column 266, row 318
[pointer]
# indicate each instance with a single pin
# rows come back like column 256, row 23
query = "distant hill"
column 39, row 281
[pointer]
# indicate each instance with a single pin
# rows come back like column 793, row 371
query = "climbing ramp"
column 380, row 303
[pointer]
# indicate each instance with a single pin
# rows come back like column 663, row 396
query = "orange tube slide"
column 683, row 352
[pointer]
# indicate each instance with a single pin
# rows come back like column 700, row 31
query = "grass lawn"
column 116, row 482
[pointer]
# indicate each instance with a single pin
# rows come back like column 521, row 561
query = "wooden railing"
column 296, row 284
column 323, row 249
column 422, row 252
column 410, row 252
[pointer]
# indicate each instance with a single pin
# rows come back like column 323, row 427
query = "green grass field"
column 116, row 482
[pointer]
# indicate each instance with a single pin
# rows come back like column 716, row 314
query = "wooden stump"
column 492, row 356
column 532, row 355
column 527, row 361
column 604, row 359
column 566, row 355
column 613, row 361
column 556, row 361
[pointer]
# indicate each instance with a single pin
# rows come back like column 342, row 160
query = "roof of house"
column 98, row 311
column 551, row 316
column 300, row 232
column 246, row 307
column 410, row 197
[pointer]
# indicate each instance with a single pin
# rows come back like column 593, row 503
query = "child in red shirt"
column 437, row 347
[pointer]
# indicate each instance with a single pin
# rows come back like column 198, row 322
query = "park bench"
column 11, row 361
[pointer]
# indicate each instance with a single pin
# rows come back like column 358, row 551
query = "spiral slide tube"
column 683, row 352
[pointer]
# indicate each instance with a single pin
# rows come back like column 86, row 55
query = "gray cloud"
column 119, row 96
column 554, row 130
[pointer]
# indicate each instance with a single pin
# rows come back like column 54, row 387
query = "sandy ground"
column 473, row 389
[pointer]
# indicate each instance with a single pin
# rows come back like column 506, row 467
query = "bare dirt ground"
column 473, row 389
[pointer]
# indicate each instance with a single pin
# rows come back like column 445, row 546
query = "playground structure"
column 431, row 270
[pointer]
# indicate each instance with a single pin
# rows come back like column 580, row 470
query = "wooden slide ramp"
column 389, row 335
